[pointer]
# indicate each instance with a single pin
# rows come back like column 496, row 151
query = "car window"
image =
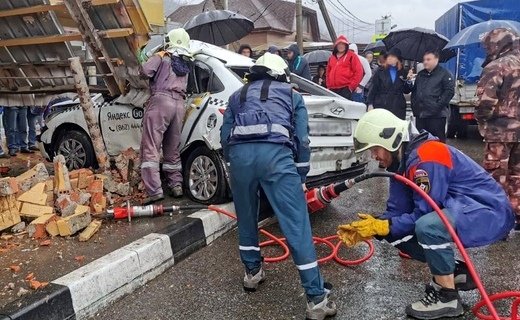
column 202, row 79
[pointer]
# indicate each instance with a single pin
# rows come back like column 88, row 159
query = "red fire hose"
column 281, row 242
column 487, row 300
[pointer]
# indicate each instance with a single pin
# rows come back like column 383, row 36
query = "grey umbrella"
column 377, row 46
column 219, row 27
column 318, row 56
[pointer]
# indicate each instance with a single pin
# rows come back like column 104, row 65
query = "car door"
column 201, row 84
column 121, row 127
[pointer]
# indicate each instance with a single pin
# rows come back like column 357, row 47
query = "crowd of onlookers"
column 381, row 82
column 20, row 126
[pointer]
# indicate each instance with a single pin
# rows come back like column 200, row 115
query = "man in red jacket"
column 344, row 70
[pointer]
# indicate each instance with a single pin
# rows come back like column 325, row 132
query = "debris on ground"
column 92, row 228
column 22, row 292
column 15, row 268
column 79, row 258
column 65, row 203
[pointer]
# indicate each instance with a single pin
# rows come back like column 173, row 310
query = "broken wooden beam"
column 66, row 37
column 88, row 111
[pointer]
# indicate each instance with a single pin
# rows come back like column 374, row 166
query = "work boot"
column 253, row 278
column 12, row 152
column 34, row 148
column 4, row 155
column 438, row 303
column 26, row 151
column 153, row 199
column 176, row 191
column 463, row 280
column 320, row 307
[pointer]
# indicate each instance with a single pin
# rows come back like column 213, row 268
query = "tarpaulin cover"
column 467, row 14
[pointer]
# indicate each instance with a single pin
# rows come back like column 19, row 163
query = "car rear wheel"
column 77, row 149
column 204, row 177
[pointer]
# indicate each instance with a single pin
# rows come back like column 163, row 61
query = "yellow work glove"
column 369, row 226
column 349, row 235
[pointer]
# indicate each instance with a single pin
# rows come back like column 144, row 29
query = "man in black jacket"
column 432, row 91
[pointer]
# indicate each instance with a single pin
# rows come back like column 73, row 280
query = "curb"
column 81, row 293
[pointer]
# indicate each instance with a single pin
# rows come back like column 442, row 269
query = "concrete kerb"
column 85, row 291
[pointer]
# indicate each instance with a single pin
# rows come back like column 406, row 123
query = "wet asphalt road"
column 207, row 285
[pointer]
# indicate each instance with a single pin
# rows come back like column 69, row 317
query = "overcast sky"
column 405, row 14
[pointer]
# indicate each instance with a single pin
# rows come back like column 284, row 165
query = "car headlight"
column 329, row 127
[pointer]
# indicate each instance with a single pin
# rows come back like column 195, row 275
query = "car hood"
column 334, row 107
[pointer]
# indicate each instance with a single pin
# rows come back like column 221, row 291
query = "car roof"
column 232, row 59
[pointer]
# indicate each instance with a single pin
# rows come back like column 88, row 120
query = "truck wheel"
column 77, row 149
column 204, row 177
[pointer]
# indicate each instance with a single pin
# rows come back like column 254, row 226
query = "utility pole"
column 328, row 22
column 299, row 24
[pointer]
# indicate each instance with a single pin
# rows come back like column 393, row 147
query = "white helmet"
column 273, row 65
column 380, row 127
column 178, row 40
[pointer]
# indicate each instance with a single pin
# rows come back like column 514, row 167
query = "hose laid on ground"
column 487, row 300
column 334, row 255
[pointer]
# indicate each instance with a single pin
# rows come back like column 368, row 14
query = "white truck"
column 217, row 73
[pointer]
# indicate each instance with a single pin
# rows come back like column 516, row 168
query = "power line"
column 354, row 24
column 353, row 15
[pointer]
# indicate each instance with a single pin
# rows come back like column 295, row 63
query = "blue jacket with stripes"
column 283, row 114
column 479, row 206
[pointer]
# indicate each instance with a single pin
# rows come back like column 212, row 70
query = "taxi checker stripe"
column 259, row 129
column 249, row 248
column 307, row 266
column 435, row 246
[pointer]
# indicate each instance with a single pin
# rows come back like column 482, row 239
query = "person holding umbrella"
column 498, row 112
column 344, row 70
column 432, row 91
column 389, row 86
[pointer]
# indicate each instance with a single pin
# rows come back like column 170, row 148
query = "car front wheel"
column 205, row 178
column 77, row 149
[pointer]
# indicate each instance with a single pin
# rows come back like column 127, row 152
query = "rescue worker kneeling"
column 265, row 139
column 473, row 201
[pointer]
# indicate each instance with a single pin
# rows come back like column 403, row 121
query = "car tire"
column 205, row 177
column 77, row 149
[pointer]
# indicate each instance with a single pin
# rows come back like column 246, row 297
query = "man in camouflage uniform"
column 498, row 111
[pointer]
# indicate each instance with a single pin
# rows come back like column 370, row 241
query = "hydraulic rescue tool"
column 129, row 212
column 318, row 199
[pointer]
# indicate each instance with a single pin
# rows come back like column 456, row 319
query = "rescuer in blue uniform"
column 475, row 203
column 265, row 140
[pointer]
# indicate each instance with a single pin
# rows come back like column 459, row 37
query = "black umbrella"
column 447, row 54
column 377, row 46
column 413, row 43
column 219, row 27
column 318, row 56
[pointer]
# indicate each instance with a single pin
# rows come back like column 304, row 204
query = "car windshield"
column 302, row 85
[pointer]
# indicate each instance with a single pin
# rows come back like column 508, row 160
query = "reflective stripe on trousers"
column 271, row 167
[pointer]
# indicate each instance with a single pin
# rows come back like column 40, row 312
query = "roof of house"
column 266, row 14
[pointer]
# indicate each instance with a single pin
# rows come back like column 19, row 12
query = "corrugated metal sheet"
column 43, row 67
